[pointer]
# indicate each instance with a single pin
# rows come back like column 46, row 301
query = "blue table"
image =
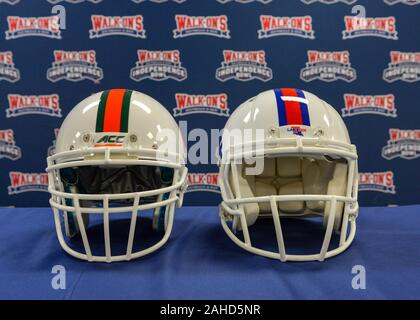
column 200, row 262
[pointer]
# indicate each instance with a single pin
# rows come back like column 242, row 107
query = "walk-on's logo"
column 8, row 71
column 20, row 27
column 187, row 104
column 8, row 147
column 403, row 144
column 383, row 105
column 404, row 66
column 244, row 66
column 329, row 1
column 158, row 66
column 408, row 2
column 245, row 1
column 216, row 26
column 43, row 104
column 158, row 1
column 27, row 182
column 103, row 26
column 370, row 27
column 206, row 182
column 75, row 66
column 73, row 1
column 286, row 26
column 377, row 181
column 11, row 2
column 328, row 66
column 51, row 149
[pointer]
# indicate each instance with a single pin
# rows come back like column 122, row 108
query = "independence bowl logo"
column 216, row 26
column 408, row 2
column 328, row 66
column 73, row 1
column 190, row 104
column 403, row 144
column 158, row 66
column 8, row 71
column 75, row 66
column 206, row 182
column 245, row 1
column 370, row 27
column 8, row 147
column 404, row 66
column 377, row 181
column 20, row 27
column 286, row 26
column 383, row 105
column 244, row 66
column 329, row 1
column 51, row 149
column 27, row 182
column 103, row 26
column 12, row 2
column 19, row 105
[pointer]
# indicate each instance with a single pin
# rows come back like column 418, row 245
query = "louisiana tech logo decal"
column 328, row 66
column 377, row 181
column 216, row 26
column 370, row 27
column 403, row 144
column 22, row 105
column 404, row 66
column 329, row 1
column 190, row 104
column 20, row 27
column 286, row 26
column 158, row 66
column 383, row 105
column 103, row 26
column 26, row 182
column 75, row 66
column 8, row 147
column 244, row 66
column 8, row 71
column 51, row 149
column 206, row 182
column 408, row 2
column 12, row 2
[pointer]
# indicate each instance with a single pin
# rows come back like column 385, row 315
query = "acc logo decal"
column 286, row 26
column 245, row 1
column 110, row 141
column 380, row 104
column 103, row 26
column 216, row 26
column 26, row 182
column 403, row 144
column 244, row 66
column 75, row 66
column 51, row 149
column 73, row 1
column 12, row 2
column 8, row 147
column 328, row 66
column 158, row 66
column 20, row 27
column 206, row 182
column 408, row 2
column 212, row 104
column 45, row 104
column 370, row 27
column 377, row 181
column 158, row 1
column 8, row 71
column 329, row 1
column 404, row 66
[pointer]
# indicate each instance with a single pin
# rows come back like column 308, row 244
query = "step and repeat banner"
column 201, row 59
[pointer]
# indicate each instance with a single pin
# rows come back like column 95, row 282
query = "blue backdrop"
column 203, row 58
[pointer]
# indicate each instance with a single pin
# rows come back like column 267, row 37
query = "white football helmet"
column 307, row 167
column 118, row 151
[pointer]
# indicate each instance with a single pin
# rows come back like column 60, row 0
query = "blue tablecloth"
column 200, row 262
